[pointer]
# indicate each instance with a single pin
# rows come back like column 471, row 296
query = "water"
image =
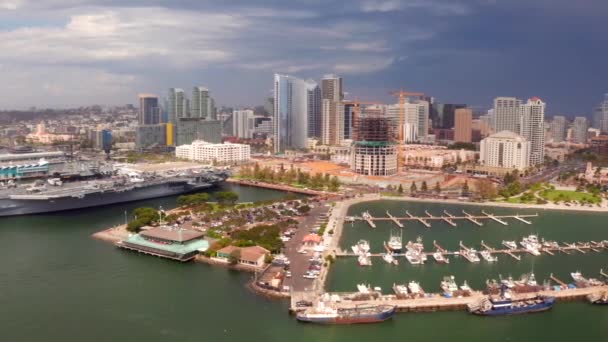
column 58, row 284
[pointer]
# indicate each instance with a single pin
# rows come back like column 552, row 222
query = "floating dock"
column 472, row 218
column 399, row 224
column 419, row 219
column 494, row 218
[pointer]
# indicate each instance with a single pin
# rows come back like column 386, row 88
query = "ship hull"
column 517, row 311
column 356, row 319
column 15, row 207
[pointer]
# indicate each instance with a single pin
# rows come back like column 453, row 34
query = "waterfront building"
column 290, row 113
column 152, row 136
column 600, row 115
column 580, row 125
column 332, row 123
column 253, row 256
column 202, row 105
column 463, row 125
column 149, row 111
column 507, row 114
column 243, row 123
column 314, row 107
column 19, row 171
column 505, row 150
column 532, row 115
column 168, row 242
column 218, row 154
column 434, row 156
column 558, row 128
column 191, row 129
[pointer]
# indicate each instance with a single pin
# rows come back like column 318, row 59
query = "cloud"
column 438, row 7
column 10, row 4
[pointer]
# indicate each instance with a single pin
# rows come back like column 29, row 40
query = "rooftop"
column 173, row 234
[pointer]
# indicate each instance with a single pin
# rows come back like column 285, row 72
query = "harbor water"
column 59, row 284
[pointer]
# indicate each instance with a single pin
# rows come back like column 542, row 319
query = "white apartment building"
column 505, row 150
column 532, row 128
column 218, row 154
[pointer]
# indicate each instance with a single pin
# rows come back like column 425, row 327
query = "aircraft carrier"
column 53, row 194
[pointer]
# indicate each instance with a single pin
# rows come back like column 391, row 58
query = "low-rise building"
column 254, row 256
column 597, row 175
column 599, row 144
column 505, row 150
column 433, row 156
column 168, row 242
column 219, row 154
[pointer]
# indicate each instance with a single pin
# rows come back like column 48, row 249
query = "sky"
column 68, row 53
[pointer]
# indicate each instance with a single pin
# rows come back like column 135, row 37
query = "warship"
column 118, row 186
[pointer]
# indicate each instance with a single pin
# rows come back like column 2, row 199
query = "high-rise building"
column 558, row 128
column 532, row 119
column 313, row 95
column 191, row 129
column 507, row 114
column 201, row 106
column 332, row 123
column 445, row 114
column 290, row 113
column 486, row 122
column 149, row 111
column 243, row 123
column 349, row 112
column 600, row 116
column 463, row 125
column 178, row 105
column 505, row 150
column 580, row 125
column 416, row 121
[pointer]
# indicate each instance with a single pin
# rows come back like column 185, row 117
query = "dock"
column 419, row 219
column 518, row 217
column 555, row 279
column 448, row 218
column 439, row 248
column 494, row 218
column 489, row 248
column 399, row 224
column 472, row 218
column 547, row 250
column 509, row 253
column 604, row 273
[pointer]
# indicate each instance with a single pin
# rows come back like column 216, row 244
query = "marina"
column 446, row 217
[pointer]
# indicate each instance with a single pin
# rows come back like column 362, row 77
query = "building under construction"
column 375, row 147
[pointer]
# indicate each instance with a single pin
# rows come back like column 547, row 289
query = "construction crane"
column 401, row 94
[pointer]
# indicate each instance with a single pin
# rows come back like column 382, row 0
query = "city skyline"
column 70, row 53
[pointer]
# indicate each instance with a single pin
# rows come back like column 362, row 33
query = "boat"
column 364, row 260
column 415, row 289
column 362, row 288
column 470, row 254
column 394, row 243
column 598, row 298
column 438, row 256
column 115, row 186
column 465, row 287
column 400, row 290
column 577, row 277
column 487, row 256
column 550, row 244
column 388, row 257
column 322, row 314
column 414, row 257
column 531, row 244
column 509, row 244
column 448, row 285
column 504, row 305
column 363, row 246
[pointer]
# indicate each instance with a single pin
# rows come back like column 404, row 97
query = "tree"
column 424, row 187
column 226, row 197
column 486, row 189
column 334, row 184
column 400, row 188
column 465, row 189
column 234, row 256
column 437, row 188
column 413, row 188
column 303, row 209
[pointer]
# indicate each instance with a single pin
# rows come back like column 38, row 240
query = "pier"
column 419, row 219
column 604, row 273
column 399, row 224
column 439, row 248
column 494, row 218
column 555, row 279
column 446, row 217
column 489, row 248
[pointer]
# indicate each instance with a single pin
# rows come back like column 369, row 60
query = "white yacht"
column 395, row 243
column 509, row 244
column 365, row 260
column 465, row 287
column 448, row 285
column 438, row 256
column 487, row 256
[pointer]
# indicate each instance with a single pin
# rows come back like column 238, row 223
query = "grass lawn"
column 567, row 195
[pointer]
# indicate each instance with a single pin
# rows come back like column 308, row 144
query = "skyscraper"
column 243, row 123
column 332, row 125
column 149, row 112
column 507, row 114
column 416, row 124
column 313, row 95
column 463, row 125
column 558, row 128
column 177, row 105
column 445, row 114
column 200, row 103
column 290, row 113
column 349, row 112
column 580, row 125
column 532, row 115
column 600, row 115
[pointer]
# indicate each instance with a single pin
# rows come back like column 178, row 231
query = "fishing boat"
column 509, row 244
column 465, row 287
column 323, row 314
column 415, row 289
column 487, row 256
column 414, row 257
column 505, row 305
column 395, row 243
column 448, row 285
column 577, row 277
column 598, row 298
column 438, row 256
